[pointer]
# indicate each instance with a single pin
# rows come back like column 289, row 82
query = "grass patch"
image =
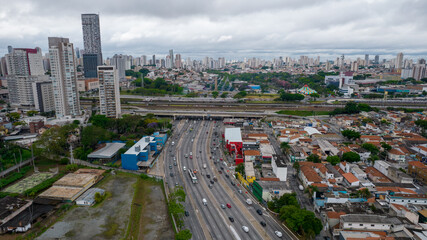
column 112, row 228
column 136, row 209
column 302, row 113
column 263, row 96
column 29, row 182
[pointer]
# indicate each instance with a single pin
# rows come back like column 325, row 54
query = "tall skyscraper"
column 44, row 100
column 119, row 62
column 171, row 58
column 24, row 66
column 109, row 94
column 366, row 59
column 92, row 44
column 143, row 60
column 154, row 60
column 377, row 59
column 64, row 77
column 399, row 61
column 178, row 61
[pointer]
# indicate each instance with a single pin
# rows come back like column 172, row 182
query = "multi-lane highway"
column 194, row 150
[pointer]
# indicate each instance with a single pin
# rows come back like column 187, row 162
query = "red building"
column 234, row 143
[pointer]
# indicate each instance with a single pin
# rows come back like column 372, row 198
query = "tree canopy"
column 351, row 157
column 350, row 134
column 313, row 158
column 334, row 160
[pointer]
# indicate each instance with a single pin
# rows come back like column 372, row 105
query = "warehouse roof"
column 108, row 151
column 311, row 130
column 89, row 195
column 365, row 218
column 61, row 192
column 75, row 180
column 233, row 135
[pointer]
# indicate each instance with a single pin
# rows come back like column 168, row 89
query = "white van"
column 184, row 168
column 173, row 143
column 204, row 165
column 191, row 153
column 204, row 202
column 249, row 201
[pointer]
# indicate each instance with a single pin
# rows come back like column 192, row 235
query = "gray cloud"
column 235, row 29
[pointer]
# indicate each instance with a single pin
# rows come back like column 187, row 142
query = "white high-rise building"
column 109, row 93
column 171, row 58
column 24, row 66
column 399, row 61
column 64, row 77
column 144, row 60
column 119, row 62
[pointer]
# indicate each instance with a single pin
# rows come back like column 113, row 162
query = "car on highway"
column 249, row 201
column 232, row 183
column 259, row 211
column 186, row 155
column 220, row 172
column 187, row 213
column 204, row 165
column 170, row 166
column 263, row 223
column 176, row 184
column 212, row 182
column 174, row 163
column 246, row 229
column 226, row 175
column 191, row 153
column 191, row 156
column 278, row 233
column 210, row 186
column 231, row 219
column 228, row 205
column 208, row 176
column 222, row 206
column 204, row 202
column 171, row 174
column 222, row 168
column 215, row 179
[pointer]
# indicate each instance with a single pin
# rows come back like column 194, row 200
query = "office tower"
column 92, row 44
column 90, row 62
column 9, row 49
column 119, row 62
column 399, row 61
column 24, row 65
column 168, row 62
column 366, row 59
column 154, row 60
column 178, row 61
column 419, row 70
column 377, row 59
column 44, row 100
column 109, row 94
column 143, row 60
column 171, row 58
column 64, row 77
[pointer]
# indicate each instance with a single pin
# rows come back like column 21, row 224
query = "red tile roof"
column 350, row 177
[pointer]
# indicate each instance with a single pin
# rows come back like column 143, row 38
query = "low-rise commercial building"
column 138, row 155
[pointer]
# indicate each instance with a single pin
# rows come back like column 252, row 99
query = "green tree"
column 224, row 94
column 184, row 235
column 32, row 113
column 91, row 135
column 13, row 116
column 302, row 221
column 313, row 158
column 240, row 169
column 364, row 107
column 215, row 94
column 284, row 96
column 351, row 157
column 240, row 94
column 100, row 121
column 351, row 108
column 350, row 134
column 285, row 147
column 296, row 166
column 334, row 160
column 371, row 148
column 386, row 146
column 314, row 95
column 98, row 197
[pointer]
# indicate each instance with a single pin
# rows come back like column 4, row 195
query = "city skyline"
column 265, row 30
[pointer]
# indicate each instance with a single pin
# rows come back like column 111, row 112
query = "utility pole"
column 71, row 154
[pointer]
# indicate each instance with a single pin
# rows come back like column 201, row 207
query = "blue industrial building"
column 138, row 155
column 160, row 138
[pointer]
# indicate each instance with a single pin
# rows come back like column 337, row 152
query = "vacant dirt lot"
column 106, row 221
column 109, row 220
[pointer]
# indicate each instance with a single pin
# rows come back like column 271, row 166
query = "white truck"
column 204, row 165
column 204, row 202
column 249, row 201
column 173, row 143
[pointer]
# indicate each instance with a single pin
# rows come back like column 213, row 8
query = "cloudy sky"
column 230, row 28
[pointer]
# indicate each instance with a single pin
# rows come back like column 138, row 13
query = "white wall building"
column 109, row 93
column 280, row 169
column 64, row 77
